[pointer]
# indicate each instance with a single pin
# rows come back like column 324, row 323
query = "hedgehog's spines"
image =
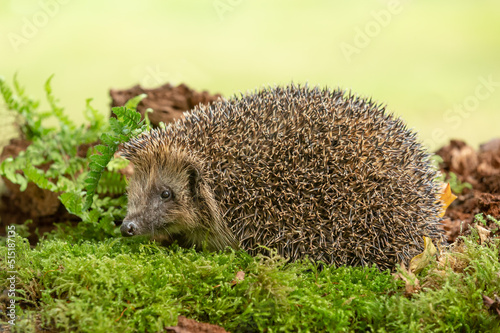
column 309, row 171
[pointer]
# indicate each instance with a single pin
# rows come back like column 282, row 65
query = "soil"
column 40, row 206
column 479, row 168
column 167, row 101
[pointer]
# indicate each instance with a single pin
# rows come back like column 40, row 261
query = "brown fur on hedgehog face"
column 169, row 199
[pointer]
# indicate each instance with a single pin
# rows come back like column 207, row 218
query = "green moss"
column 128, row 285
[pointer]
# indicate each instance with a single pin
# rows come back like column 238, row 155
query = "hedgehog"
column 306, row 172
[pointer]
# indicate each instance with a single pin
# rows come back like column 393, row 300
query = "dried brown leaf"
column 412, row 284
column 492, row 304
column 185, row 325
column 483, row 234
column 240, row 276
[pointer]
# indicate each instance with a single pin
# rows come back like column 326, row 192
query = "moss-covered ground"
column 123, row 285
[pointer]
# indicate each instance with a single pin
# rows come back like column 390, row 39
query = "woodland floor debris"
column 482, row 170
column 167, row 101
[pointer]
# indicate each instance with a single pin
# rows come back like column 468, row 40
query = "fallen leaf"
column 412, row 284
column 348, row 301
column 240, row 276
column 483, row 234
column 185, row 325
column 447, row 197
column 422, row 260
column 492, row 305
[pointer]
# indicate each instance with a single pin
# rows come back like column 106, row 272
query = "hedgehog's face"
column 170, row 196
column 160, row 203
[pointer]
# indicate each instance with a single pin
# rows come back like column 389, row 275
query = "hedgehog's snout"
column 128, row 228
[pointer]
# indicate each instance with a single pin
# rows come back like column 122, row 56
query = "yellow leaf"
column 420, row 261
column 447, row 198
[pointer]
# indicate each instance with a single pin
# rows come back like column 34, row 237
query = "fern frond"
column 112, row 183
column 95, row 118
column 73, row 202
column 127, row 124
column 55, row 109
column 25, row 107
column 54, row 159
column 9, row 168
column 134, row 101
column 38, row 177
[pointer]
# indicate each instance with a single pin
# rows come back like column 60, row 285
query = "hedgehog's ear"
column 194, row 180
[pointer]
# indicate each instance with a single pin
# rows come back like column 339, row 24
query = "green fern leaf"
column 127, row 123
column 133, row 102
column 56, row 110
column 73, row 202
column 36, row 176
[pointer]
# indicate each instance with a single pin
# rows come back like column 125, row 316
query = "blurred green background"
column 435, row 63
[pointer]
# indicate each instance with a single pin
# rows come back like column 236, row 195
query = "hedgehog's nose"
column 128, row 228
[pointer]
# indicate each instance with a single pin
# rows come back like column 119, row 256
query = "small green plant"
column 73, row 160
column 479, row 218
column 436, row 160
column 456, row 185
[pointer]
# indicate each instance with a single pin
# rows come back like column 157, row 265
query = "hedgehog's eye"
column 166, row 194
